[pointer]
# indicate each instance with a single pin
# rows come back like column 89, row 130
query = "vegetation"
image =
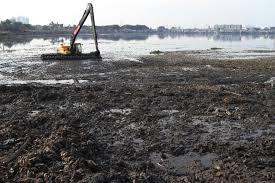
column 135, row 27
column 215, row 48
column 156, row 52
column 124, row 28
column 12, row 26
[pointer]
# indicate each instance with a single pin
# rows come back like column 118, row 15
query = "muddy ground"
column 170, row 118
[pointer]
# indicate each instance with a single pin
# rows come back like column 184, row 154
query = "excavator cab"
column 77, row 48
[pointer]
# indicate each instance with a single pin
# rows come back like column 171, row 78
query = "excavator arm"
column 89, row 11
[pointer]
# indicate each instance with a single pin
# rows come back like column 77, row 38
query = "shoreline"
column 161, row 34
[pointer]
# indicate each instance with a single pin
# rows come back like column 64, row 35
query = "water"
column 20, row 55
column 180, row 164
column 114, row 47
column 45, row 82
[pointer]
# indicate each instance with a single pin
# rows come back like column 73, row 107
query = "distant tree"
column 12, row 26
column 161, row 29
column 135, row 27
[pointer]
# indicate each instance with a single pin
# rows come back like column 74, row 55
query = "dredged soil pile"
column 171, row 118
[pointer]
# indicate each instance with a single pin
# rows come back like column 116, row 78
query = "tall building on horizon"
column 228, row 28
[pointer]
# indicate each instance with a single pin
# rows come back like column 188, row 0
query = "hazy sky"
column 185, row 13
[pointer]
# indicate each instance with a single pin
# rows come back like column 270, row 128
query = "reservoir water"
column 20, row 55
column 131, row 46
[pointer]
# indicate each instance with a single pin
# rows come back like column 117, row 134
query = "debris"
column 215, row 48
column 140, row 122
column 17, row 153
column 156, row 52
column 271, row 82
column 233, row 93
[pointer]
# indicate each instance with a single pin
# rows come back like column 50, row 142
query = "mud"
column 169, row 118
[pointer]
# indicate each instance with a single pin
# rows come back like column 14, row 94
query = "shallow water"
column 45, row 82
column 130, row 46
column 20, row 61
column 180, row 164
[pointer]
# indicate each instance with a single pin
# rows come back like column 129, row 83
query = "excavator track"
column 84, row 56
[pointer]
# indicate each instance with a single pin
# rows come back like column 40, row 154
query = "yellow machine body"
column 64, row 50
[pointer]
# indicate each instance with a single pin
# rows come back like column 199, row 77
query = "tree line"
column 13, row 26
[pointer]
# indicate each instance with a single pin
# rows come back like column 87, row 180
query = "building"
column 272, row 29
column 228, row 28
column 23, row 20
column 253, row 29
column 56, row 26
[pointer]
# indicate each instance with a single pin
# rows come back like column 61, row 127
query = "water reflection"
column 227, row 37
column 125, row 37
column 56, row 40
column 10, row 41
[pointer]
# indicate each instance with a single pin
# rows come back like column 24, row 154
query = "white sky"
column 185, row 13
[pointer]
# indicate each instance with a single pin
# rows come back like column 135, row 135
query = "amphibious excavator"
column 74, row 50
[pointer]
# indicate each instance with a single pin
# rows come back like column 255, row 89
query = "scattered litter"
column 34, row 113
column 271, row 82
column 119, row 111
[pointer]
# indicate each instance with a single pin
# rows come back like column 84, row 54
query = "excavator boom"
column 89, row 10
